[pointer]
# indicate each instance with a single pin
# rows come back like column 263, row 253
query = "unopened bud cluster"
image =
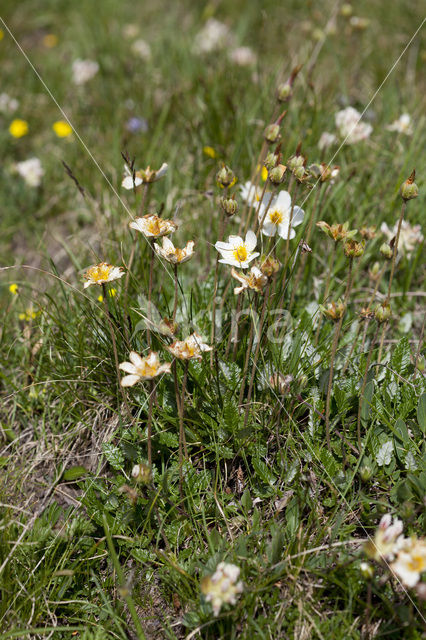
column 333, row 310
column 229, row 205
column 382, row 312
column 409, row 189
column 269, row 266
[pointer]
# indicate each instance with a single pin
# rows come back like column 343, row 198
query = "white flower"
column 326, row 140
column 142, row 176
column 172, row 254
column 278, row 217
column 410, row 562
column 142, row 368
column 250, row 193
column 387, row 539
column 409, row 236
column 101, row 273
column 402, row 125
column 152, row 226
column 8, row 104
column 350, row 127
column 31, row 170
column 214, row 35
column 222, row 587
column 238, row 252
column 254, row 280
column 84, row 70
column 190, row 348
column 142, row 49
column 243, row 56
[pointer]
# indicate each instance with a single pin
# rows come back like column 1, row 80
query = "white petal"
column 129, row 381
column 168, row 245
column 251, row 240
column 235, row 241
column 269, row 229
column 135, row 359
column 283, row 230
column 283, row 201
column 298, row 215
column 128, row 367
column 161, row 171
column 223, row 246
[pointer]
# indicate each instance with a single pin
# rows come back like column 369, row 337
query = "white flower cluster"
column 8, row 104
column 31, row 170
column 223, row 586
column 84, row 70
column 409, row 236
column 350, row 127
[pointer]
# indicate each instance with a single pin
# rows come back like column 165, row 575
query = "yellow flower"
column 101, row 273
column 50, row 40
column 112, row 293
column 18, row 128
column 62, row 129
column 100, row 298
column 263, row 172
column 29, row 314
column 1, row 34
column 13, row 288
column 209, row 152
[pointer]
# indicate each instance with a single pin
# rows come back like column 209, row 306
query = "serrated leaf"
column 263, row 471
column 401, row 356
column 114, row 455
column 384, row 454
column 366, row 400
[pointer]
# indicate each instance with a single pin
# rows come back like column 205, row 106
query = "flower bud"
column 366, row 570
column 225, row 176
column 386, row 251
column 295, row 161
column 382, row 312
column 333, row 310
column 272, row 133
column 353, row 249
column 276, row 175
column 409, row 189
column 271, row 160
column 284, row 92
column 366, row 472
column 269, row 266
column 369, row 233
column 229, row 205
column 142, row 473
column 299, row 173
column 346, row 10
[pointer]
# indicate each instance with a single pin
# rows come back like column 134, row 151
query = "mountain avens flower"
column 254, row 280
column 410, row 561
column 31, row 170
column 402, row 125
column 102, row 273
column 277, row 219
column 351, row 129
column 140, row 369
column 223, row 587
column 250, row 193
column 172, row 254
column 409, row 236
column 152, row 226
column 84, row 70
column 190, row 348
column 142, row 176
column 387, row 539
column 238, row 252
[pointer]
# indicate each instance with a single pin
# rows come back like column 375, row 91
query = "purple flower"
column 137, row 124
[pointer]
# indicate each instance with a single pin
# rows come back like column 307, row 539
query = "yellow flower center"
column 147, row 371
column 100, row 272
column 417, row 563
column 240, row 253
column 154, row 227
column 276, row 217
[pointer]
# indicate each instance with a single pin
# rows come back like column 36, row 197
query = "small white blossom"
column 255, row 280
column 387, row 539
column 410, row 562
column 84, row 70
column 142, row 49
column 243, row 56
column 402, row 125
column 350, row 127
column 140, row 369
column 326, row 140
column 250, row 193
column 238, row 252
column 31, row 170
column 173, row 254
column 8, row 104
column 152, row 226
column 189, row 349
column 213, row 36
column 409, row 236
column 142, row 176
column 222, row 587
column 278, row 217
column 102, row 273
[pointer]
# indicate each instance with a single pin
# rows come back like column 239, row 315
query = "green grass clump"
column 278, row 451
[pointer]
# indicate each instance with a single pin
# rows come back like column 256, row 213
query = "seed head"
column 229, row 206
column 409, row 189
column 382, row 312
column 225, row 176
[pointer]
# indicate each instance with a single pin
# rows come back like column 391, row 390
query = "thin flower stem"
column 307, row 239
column 256, row 355
column 151, row 274
column 327, row 287
column 246, row 362
column 395, row 250
column 180, row 399
column 129, row 267
column 114, row 348
column 364, row 384
column 333, row 355
column 216, row 280
column 149, row 421
column 176, row 294
column 237, row 311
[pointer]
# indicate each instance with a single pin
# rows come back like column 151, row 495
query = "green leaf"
column 74, row 473
column 421, row 412
column 263, row 471
column 114, row 455
column 366, row 401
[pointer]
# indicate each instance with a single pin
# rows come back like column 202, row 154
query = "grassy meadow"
column 265, row 478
